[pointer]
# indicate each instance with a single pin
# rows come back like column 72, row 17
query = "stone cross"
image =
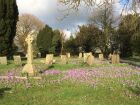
column 29, row 68
column 29, row 41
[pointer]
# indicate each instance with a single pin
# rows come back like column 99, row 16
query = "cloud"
column 49, row 12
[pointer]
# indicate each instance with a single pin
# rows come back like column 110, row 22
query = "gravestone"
column 29, row 68
column 90, row 60
column 110, row 56
column 101, row 57
column 115, row 58
column 86, row 55
column 39, row 55
column 68, row 55
column 49, row 59
column 17, row 60
column 80, row 55
column 3, row 60
column 64, row 59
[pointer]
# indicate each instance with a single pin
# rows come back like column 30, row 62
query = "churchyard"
column 71, row 82
column 69, row 52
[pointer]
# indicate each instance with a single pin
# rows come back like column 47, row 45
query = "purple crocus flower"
column 52, row 72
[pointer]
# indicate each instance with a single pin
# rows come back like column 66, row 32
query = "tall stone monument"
column 29, row 68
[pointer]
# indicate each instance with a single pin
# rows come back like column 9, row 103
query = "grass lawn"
column 74, row 84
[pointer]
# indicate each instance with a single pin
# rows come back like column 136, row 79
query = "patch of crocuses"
column 91, row 76
column 52, row 72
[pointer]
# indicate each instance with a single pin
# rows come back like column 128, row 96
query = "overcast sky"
column 49, row 12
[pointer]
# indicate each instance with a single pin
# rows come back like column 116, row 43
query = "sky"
column 50, row 12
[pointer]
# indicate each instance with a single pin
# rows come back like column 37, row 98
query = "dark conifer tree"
column 8, row 20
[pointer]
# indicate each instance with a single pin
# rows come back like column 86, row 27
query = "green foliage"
column 56, row 43
column 8, row 20
column 89, row 37
column 44, row 40
column 129, row 35
column 70, row 46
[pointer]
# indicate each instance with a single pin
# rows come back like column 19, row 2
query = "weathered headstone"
column 80, row 55
column 110, row 56
column 86, row 55
column 17, row 60
column 29, row 68
column 3, row 60
column 101, row 57
column 64, row 59
column 68, row 55
column 90, row 60
column 49, row 59
column 115, row 58
column 39, row 55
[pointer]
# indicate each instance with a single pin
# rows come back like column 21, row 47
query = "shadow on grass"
column 135, row 90
column 49, row 67
column 3, row 90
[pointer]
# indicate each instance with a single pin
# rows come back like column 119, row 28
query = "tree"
column 70, row 46
column 89, row 37
column 62, row 37
column 129, row 34
column 56, row 43
column 44, row 40
column 27, row 24
column 103, row 17
column 75, row 4
column 8, row 21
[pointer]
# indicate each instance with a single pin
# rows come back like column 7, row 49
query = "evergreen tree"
column 56, row 43
column 44, row 40
column 8, row 20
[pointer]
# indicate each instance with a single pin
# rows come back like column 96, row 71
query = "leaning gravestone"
column 90, row 60
column 101, row 57
column 49, row 59
column 64, row 59
column 29, row 68
column 17, row 60
column 3, row 60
